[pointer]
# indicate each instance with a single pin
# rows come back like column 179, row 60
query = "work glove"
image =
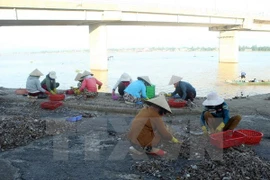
column 146, row 98
column 99, row 86
column 174, row 140
column 168, row 94
column 220, row 127
column 52, row 92
column 77, row 91
column 205, row 132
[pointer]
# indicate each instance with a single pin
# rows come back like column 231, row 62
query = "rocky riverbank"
column 41, row 144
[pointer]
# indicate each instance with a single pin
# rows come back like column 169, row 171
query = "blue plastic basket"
column 74, row 118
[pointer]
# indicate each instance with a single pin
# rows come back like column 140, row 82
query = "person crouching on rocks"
column 136, row 90
column 148, row 127
column 49, row 83
column 121, row 84
column 216, row 115
column 33, row 85
column 89, row 84
column 184, row 89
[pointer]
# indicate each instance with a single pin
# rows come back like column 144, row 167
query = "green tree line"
column 254, row 48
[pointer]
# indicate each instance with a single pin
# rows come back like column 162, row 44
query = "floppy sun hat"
column 161, row 102
column 125, row 77
column 36, row 72
column 213, row 100
column 175, row 79
column 52, row 75
column 145, row 78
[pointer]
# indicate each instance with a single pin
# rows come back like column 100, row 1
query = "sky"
column 36, row 38
column 32, row 38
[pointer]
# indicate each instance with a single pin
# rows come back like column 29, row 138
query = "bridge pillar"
column 228, row 46
column 98, row 47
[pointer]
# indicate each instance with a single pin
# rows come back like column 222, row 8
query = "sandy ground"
column 40, row 144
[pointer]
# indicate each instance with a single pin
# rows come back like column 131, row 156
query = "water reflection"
column 227, row 71
column 103, row 77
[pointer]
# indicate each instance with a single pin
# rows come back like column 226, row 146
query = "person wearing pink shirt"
column 89, row 84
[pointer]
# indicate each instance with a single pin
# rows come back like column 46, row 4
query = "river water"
column 201, row 69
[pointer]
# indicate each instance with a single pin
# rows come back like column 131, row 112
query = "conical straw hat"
column 161, row 102
column 146, row 79
column 78, row 77
column 175, row 79
column 36, row 72
column 86, row 73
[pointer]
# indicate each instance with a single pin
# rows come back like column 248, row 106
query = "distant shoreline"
column 138, row 50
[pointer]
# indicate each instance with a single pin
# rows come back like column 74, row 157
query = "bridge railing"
column 240, row 8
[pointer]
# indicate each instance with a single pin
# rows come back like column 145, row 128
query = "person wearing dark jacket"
column 184, row 89
column 49, row 83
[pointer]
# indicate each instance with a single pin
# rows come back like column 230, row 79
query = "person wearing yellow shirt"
column 148, row 128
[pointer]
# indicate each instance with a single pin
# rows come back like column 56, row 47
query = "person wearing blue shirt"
column 216, row 115
column 184, row 89
column 137, row 90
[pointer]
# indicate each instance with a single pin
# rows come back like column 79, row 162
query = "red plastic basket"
column 176, row 103
column 227, row 139
column 21, row 91
column 69, row 91
column 252, row 137
column 57, row 97
column 51, row 105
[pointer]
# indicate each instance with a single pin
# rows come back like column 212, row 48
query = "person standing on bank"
column 49, row 83
column 33, row 85
column 148, row 128
column 122, row 83
column 184, row 89
column 216, row 115
column 243, row 75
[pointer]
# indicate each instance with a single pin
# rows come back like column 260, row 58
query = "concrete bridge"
column 98, row 14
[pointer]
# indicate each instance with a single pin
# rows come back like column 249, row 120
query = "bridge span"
column 98, row 14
